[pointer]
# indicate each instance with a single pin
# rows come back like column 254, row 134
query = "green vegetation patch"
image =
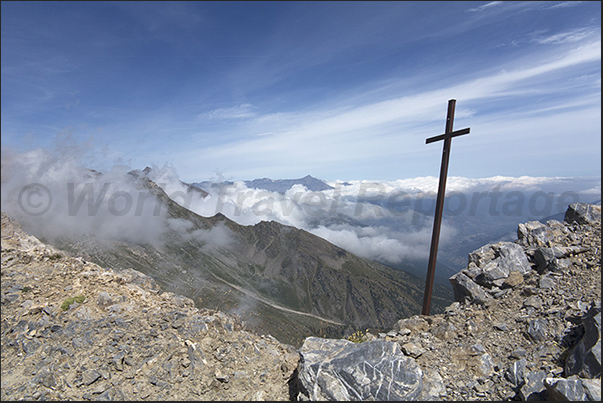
column 55, row 256
column 359, row 336
column 70, row 301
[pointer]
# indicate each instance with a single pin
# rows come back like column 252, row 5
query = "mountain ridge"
column 295, row 283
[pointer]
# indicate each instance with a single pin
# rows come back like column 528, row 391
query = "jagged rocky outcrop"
column 526, row 326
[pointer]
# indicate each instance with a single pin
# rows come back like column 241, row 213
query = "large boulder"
column 583, row 213
column 331, row 369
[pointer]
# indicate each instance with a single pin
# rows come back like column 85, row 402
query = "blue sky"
column 338, row 90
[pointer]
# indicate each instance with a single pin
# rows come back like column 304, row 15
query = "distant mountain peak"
column 273, row 185
column 282, row 185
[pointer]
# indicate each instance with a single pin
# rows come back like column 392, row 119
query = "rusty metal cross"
column 437, row 222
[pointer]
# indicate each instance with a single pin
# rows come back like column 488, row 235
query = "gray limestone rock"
column 342, row 370
column 537, row 329
column 515, row 372
column 492, row 271
column 414, row 324
column 492, row 264
column 585, row 358
column 583, row 213
column 412, row 349
column 536, row 233
column 546, row 282
column 559, row 265
column 513, row 257
column 592, row 388
column 573, row 389
column 545, row 257
column 482, row 255
column 433, row 387
column 465, row 288
column 486, row 365
column 533, row 388
column 526, row 231
column 104, row 299
column 90, row 377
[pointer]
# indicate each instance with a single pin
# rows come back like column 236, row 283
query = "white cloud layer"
column 388, row 221
column 53, row 195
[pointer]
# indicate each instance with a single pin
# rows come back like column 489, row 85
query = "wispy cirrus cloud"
column 565, row 4
column 334, row 90
column 234, row 112
column 372, row 132
column 575, row 35
column 485, row 6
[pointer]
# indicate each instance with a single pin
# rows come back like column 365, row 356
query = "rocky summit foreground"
column 526, row 326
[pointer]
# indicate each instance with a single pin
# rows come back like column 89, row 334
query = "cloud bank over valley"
column 55, row 195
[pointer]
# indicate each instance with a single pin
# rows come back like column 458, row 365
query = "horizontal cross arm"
column 447, row 135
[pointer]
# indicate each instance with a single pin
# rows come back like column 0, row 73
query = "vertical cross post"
column 437, row 221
